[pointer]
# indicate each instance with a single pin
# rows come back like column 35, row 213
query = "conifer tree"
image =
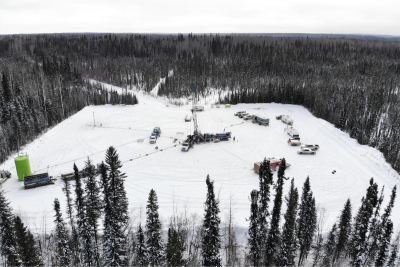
column 330, row 246
column 154, row 254
column 115, row 210
column 140, row 251
column 273, row 236
column 307, row 221
column 93, row 209
column 174, row 249
column 26, row 245
column 344, row 232
column 63, row 251
column 288, row 246
column 361, row 225
column 82, row 220
column 254, row 243
column 7, row 238
column 70, row 212
column 266, row 178
column 211, row 241
column 385, row 231
column 394, row 252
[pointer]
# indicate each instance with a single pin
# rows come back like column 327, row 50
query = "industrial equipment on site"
column 197, row 136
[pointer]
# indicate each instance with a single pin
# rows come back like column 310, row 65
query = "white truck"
column 5, row 174
column 286, row 119
column 292, row 132
column 153, row 139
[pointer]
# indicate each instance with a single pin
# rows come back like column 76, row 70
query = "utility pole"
column 94, row 121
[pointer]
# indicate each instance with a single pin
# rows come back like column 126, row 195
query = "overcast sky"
column 380, row 17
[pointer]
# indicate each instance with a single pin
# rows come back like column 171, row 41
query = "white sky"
column 208, row 16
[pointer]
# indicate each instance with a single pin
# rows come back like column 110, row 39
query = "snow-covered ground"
column 179, row 177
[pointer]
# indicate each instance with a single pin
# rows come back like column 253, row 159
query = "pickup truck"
column 310, row 146
column 153, row 139
column 186, row 146
column 248, row 117
column 306, row 151
column 239, row 112
column 242, row 115
column 294, row 142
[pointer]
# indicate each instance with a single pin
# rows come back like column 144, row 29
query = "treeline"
column 354, row 84
column 294, row 239
column 35, row 97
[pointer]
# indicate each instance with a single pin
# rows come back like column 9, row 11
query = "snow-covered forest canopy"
column 352, row 83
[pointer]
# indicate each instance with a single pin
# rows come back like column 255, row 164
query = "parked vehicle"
column 260, row 120
column 306, row 151
column 199, row 108
column 5, row 174
column 241, row 115
column 153, row 139
column 186, row 146
column 156, row 131
column 292, row 132
column 279, row 117
column 286, row 119
column 311, row 146
column 239, row 112
column 294, row 142
column 248, row 117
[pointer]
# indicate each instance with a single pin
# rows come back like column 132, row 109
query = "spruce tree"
column 211, row 243
column 266, row 179
column 288, row 245
column 63, row 251
column 274, row 232
column 140, row 250
column 71, row 218
column 361, row 225
column 154, row 254
column 93, row 209
column 82, row 220
column 26, row 245
column 344, row 232
column 174, row 249
column 115, row 210
column 8, row 243
column 330, row 246
column 394, row 252
column 385, row 232
column 253, row 241
column 306, row 222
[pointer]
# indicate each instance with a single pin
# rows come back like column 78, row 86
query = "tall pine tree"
column 82, row 220
column 63, row 251
column 266, row 179
column 140, row 250
column 211, row 241
column 155, row 254
column 115, row 211
column 26, row 245
column 93, row 209
column 344, row 229
column 8, row 243
column 362, row 224
column 306, row 222
column 274, row 232
column 253, row 241
column 288, row 246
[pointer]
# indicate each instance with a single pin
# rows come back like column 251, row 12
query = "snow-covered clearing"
column 179, row 177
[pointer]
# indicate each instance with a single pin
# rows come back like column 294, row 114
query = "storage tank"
column 23, row 167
